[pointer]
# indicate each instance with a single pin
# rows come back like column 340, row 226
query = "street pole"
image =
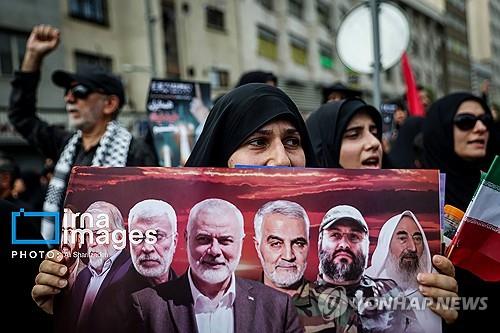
column 374, row 4
column 150, row 21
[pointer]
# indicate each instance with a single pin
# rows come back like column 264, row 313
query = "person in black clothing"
column 339, row 91
column 457, row 139
column 258, row 77
column 9, row 172
column 347, row 134
column 93, row 99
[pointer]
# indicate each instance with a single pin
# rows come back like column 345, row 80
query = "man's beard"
column 67, row 251
column 162, row 268
column 282, row 279
column 100, row 255
column 208, row 274
column 342, row 271
column 404, row 269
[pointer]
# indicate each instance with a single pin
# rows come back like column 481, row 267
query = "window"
column 12, row 48
column 215, row 18
column 219, row 78
column 89, row 10
column 298, row 48
column 296, row 8
column 323, row 10
column 267, row 4
column 325, row 56
column 84, row 59
column 267, row 41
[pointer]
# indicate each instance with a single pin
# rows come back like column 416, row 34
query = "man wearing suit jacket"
column 151, row 265
column 208, row 297
column 107, row 265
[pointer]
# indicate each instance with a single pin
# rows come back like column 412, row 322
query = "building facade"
column 484, row 42
column 110, row 33
column 457, row 62
column 294, row 39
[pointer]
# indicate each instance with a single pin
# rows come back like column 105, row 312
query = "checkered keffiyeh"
column 112, row 151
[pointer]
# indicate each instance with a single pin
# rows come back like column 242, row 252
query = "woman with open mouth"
column 347, row 134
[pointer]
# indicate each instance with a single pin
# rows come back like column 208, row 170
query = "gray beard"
column 405, row 273
column 341, row 271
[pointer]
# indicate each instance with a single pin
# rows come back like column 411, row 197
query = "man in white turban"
column 402, row 252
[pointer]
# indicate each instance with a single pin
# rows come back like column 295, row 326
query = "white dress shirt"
column 95, row 283
column 214, row 315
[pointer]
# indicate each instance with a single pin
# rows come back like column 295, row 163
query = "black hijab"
column 404, row 151
column 237, row 115
column 327, row 125
column 462, row 177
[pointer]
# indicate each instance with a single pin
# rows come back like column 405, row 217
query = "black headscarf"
column 327, row 126
column 404, row 151
column 237, row 115
column 462, row 177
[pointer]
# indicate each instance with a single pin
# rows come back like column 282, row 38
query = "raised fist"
column 42, row 40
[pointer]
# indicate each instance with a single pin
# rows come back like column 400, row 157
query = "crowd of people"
column 255, row 124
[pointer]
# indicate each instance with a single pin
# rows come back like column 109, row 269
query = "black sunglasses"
column 467, row 121
column 79, row 91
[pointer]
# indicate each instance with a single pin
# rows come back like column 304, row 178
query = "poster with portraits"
column 176, row 112
column 342, row 246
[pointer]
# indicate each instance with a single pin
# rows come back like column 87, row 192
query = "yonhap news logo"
column 17, row 218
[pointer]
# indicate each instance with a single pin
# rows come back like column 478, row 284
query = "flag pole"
column 374, row 4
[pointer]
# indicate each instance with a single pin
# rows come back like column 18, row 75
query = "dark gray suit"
column 257, row 308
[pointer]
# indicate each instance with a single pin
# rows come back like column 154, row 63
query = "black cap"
column 257, row 77
column 341, row 88
column 93, row 77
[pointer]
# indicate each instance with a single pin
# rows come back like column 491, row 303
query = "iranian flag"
column 476, row 245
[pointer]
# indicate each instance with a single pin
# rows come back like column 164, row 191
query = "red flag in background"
column 415, row 107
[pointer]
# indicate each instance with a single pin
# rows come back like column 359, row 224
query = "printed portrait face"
column 282, row 249
column 215, row 240
column 99, row 253
column 341, row 252
column 153, row 260
column 101, row 246
column 406, row 249
column 70, row 241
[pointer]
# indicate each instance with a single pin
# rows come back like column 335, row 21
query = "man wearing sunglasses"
column 93, row 99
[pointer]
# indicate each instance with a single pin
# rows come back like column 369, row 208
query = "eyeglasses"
column 352, row 237
column 81, row 91
column 467, row 121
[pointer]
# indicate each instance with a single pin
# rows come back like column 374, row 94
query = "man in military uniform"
column 340, row 299
column 282, row 244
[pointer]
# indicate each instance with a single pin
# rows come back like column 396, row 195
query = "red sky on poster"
column 378, row 194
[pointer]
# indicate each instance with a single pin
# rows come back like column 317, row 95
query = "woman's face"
column 470, row 143
column 360, row 148
column 278, row 143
